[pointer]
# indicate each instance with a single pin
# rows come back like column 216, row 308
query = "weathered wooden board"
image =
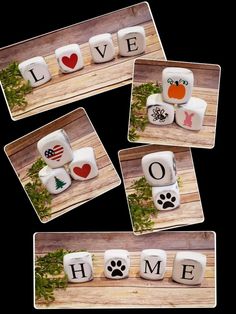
column 23, row 152
column 94, row 78
column 133, row 292
column 206, row 86
column 190, row 210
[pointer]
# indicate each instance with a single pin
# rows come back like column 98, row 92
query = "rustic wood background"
column 133, row 292
column 206, row 86
column 94, row 78
column 190, row 211
column 23, row 152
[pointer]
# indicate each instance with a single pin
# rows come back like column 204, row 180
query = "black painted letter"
column 130, row 44
column 34, row 76
column 151, row 270
column 78, row 270
column 151, row 172
column 185, row 271
column 102, row 54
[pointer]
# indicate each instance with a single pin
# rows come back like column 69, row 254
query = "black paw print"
column 167, row 201
column 116, row 268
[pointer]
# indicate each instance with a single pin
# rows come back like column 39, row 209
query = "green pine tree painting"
column 59, row 183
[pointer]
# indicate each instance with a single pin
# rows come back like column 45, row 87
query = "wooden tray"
column 23, row 152
column 94, row 78
column 206, row 86
column 132, row 292
column 190, row 211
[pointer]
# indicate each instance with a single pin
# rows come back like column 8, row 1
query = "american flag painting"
column 54, row 153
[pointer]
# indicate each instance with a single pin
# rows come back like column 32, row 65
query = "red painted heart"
column 82, row 171
column 54, row 153
column 71, row 61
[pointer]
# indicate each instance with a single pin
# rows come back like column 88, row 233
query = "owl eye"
column 170, row 81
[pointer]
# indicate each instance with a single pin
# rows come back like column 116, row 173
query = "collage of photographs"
column 109, row 141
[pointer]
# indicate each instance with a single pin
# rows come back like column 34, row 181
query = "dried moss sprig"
column 46, row 268
column 38, row 194
column 138, row 115
column 141, row 206
column 15, row 87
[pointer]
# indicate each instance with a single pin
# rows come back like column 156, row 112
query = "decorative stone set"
column 159, row 169
column 63, row 162
column 175, row 102
column 188, row 267
column 131, row 42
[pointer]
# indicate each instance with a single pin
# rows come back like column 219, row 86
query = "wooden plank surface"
column 133, row 292
column 206, row 86
column 190, row 211
column 23, row 153
column 93, row 78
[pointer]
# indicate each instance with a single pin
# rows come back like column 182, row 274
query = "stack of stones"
column 176, row 101
column 159, row 169
column 64, row 163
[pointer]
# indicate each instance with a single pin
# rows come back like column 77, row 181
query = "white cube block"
column 189, row 267
column 166, row 197
column 159, row 112
column 152, row 264
column 177, row 84
column 55, row 149
column 35, row 70
column 78, row 266
column 55, row 180
column 191, row 115
column 159, row 168
column 131, row 41
column 69, row 58
column 102, row 48
column 83, row 166
column 116, row 264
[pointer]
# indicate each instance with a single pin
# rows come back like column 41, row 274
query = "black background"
column 194, row 34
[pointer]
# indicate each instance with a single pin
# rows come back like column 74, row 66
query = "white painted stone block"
column 177, row 84
column 159, row 168
column 69, row 58
column 189, row 267
column 55, row 180
column 83, row 166
column 35, row 70
column 55, row 149
column 102, row 48
column 152, row 264
column 116, row 264
column 166, row 197
column 131, row 41
column 191, row 115
column 78, row 267
column 159, row 112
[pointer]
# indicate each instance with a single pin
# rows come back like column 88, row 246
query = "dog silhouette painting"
column 188, row 119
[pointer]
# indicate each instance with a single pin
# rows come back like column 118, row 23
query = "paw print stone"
column 159, row 168
column 152, row 264
column 189, row 267
column 166, row 197
column 159, row 112
column 55, row 149
column 116, row 264
column 177, row 84
column 78, row 267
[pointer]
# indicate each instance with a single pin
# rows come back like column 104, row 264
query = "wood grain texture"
column 206, row 86
column 23, row 153
column 133, row 292
column 93, row 78
column 190, row 211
